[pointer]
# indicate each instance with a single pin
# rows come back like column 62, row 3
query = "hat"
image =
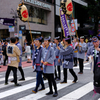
column 94, row 39
column 40, row 38
column 82, row 37
column 67, row 38
column 57, row 38
column 47, row 38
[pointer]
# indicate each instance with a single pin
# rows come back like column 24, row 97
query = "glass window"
column 37, row 15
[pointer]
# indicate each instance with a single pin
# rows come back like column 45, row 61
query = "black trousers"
column 71, row 71
column 21, row 71
column 6, row 58
column 81, row 64
column 75, row 61
column 14, row 69
column 59, row 72
column 51, row 81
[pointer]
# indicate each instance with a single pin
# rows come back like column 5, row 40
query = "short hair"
column 13, row 39
column 69, row 41
column 17, row 38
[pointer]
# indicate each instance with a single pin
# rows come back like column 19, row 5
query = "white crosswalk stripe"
column 2, row 79
column 42, row 93
column 26, row 79
column 0, row 75
column 78, row 93
column 84, row 67
column 17, row 90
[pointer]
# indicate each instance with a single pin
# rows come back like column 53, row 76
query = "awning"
column 81, row 2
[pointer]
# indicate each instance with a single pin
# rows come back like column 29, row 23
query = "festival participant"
column 20, row 63
column 13, row 54
column 57, row 61
column 81, row 47
column 75, row 51
column 93, row 54
column 37, row 56
column 68, row 60
column 48, row 66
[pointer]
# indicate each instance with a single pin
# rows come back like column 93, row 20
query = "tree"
column 94, row 12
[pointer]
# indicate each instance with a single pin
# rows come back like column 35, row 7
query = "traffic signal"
column 22, row 12
column 67, row 6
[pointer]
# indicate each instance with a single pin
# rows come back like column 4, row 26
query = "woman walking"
column 68, row 60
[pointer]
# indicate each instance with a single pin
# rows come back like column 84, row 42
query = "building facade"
column 41, row 19
column 78, row 13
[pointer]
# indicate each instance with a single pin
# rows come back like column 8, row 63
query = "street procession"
column 49, row 50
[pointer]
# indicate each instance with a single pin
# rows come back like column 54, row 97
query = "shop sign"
column 22, row 27
column 15, row 34
column 7, row 21
column 41, row 4
column 11, row 28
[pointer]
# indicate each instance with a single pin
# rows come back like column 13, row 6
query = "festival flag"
column 64, row 23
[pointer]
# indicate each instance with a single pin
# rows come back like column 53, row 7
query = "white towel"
column 91, row 61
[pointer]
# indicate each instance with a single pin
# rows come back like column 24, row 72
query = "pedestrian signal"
column 67, row 6
column 22, row 12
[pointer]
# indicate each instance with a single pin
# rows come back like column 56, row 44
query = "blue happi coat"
column 49, row 56
column 90, row 52
column 57, row 55
column 67, row 56
column 20, row 48
column 81, row 51
column 38, row 58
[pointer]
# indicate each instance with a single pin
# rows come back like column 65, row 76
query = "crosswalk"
column 68, row 91
column 73, row 95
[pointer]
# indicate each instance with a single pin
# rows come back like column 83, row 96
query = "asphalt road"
column 82, row 90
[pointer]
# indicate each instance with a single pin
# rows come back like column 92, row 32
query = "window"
column 37, row 15
column 49, row 1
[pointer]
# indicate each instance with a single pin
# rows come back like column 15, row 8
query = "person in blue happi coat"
column 68, row 60
column 48, row 66
column 81, row 47
column 37, row 57
column 57, row 61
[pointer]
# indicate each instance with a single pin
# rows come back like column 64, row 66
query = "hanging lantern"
column 22, row 12
column 67, row 6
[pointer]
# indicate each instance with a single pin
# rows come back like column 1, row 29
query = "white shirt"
column 28, row 49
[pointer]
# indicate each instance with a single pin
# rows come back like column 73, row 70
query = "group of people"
column 3, row 54
column 47, row 59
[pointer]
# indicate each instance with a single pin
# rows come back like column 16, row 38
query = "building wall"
column 5, row 12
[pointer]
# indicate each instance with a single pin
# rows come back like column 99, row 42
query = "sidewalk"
column 24, row 64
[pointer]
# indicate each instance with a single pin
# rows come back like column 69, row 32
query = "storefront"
column 4, row 34
column 41, row 19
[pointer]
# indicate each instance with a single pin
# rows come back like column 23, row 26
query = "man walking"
column 13, row 54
